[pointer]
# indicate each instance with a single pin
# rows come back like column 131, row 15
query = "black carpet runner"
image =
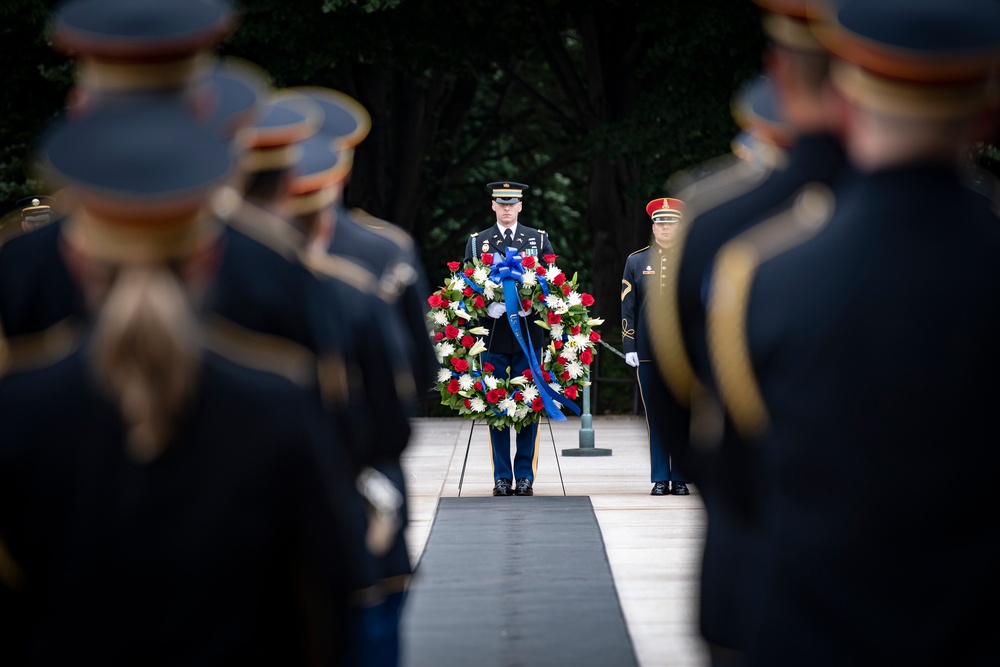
column 515, row 582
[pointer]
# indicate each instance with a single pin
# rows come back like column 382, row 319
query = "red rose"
column 587, row 357
column 478, row 386
column 586, row 299
column 538, row 405
column 547, row 376
column 487, row 258
column 557, row 344
column 527, row 374
column 541, row 297
column 460, row 365
column 559, row 280
column 469, row 271
column 492, row 396
column 561, row 360
column 526, row 304
column 445, row 303
column 564, row 376
column 575, row 330
column 467, row 291
column 594, row 336
column 554, row 318
column 487, row 367
column 518, row 396
column 435, row 300
column 468, row 403
column 540, row 270
column 468, row 341
column 451, row 332
column 570, row 392
column 479, row 302
column 438, row 337
column 453, row 386
column 528, row 262
column 566, row 289
column 549, row 258
column 502, row 393
column 453, row 266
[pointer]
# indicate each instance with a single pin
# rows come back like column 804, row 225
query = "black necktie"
column 508, row 239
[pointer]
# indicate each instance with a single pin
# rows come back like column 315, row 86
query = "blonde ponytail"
column 145, row 354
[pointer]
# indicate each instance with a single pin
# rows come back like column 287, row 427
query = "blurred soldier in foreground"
column 854, row 349
column 643, row 279
column 163, row 495
column 790, row 113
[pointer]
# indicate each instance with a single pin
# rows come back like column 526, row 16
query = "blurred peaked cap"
column 319, row 170
column 756, row 110
column 345, row 121
column 924, row 58
column 238, row 89
column 665, row 209
column 140, row 30
column 755, row 150
column 286, row 119
column 35, row 201
column 788, row 22
column 36, row 208
column 141, row 162
column 506, row 192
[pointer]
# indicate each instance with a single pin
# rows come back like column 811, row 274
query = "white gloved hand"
column 632, row 358
column 496, row 309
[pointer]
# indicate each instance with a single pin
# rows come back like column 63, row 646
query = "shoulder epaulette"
column 342, row 269
column 735, row 267
column 259, row 351
column 39, row 350
column 260, row 225
column 394, row 233
column 473, row 235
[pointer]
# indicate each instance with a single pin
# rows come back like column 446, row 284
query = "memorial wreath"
column 532, row 289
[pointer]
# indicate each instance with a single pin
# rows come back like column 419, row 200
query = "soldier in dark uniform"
column 791, row 111
column 854, row 349
column 164, row 495
column 643, row 279
column 503, row 349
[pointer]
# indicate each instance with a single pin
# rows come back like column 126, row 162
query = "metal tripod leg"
column 466, row 461
column 553, row 437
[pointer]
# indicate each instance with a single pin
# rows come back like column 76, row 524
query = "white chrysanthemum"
column 529, row 278
column 479, row 331
column 465, row 382
column 555, row 387
column 556, row 304
column 551, row 272
column 521, row 412
column 547, row 357
column 556, row 332
column 477, row 404
column 579, row 341
column 530, row 393
column 444, row 375
column 575, row 369
column 490, row 381
column 480, row 275
column 574, row 298
column 445, row 349
column 568, row 353
column 477, row 347
column 507, row 406
column 457, row 283
column 440, row 317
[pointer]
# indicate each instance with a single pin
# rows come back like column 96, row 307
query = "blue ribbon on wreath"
column 508, row 273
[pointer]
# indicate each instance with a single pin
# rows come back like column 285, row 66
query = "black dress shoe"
column 680, row 489
column 524, row 487
column 660, row 489
column 502, row 487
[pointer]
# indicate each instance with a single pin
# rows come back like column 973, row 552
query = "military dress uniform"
column 702, row 440
column 502, row 348
column 858, row 371
column 644, row 278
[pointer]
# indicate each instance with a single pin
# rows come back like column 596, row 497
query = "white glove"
column 496, row 309
column 632, row 358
